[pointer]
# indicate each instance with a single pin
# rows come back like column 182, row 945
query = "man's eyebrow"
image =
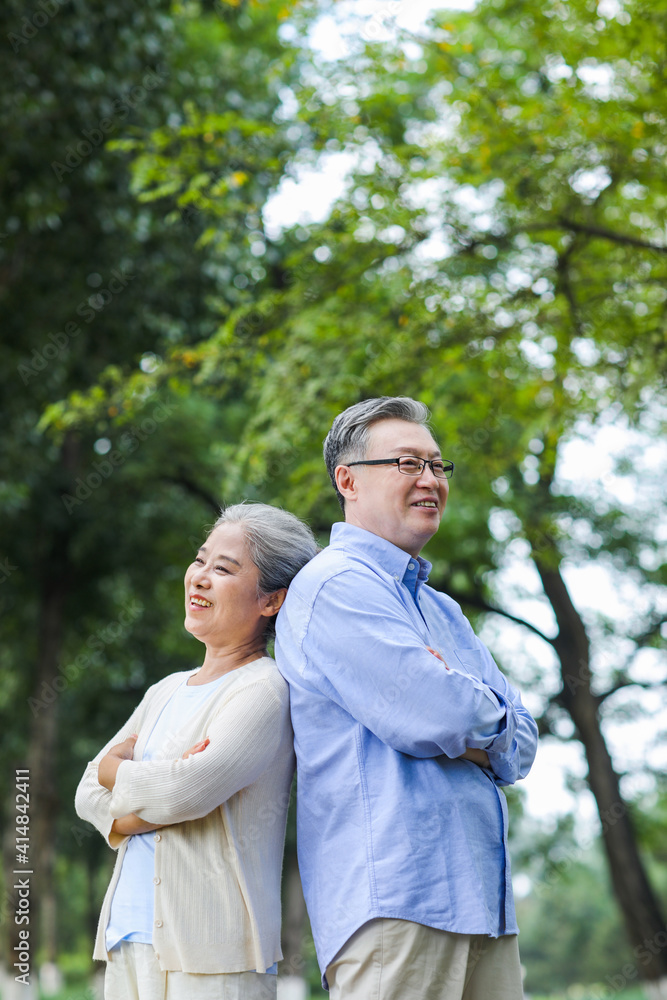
column 202, row 548
column 410, row 450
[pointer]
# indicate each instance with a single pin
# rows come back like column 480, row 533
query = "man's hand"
column 479, row 757
column 439, row 656
column 108, row 766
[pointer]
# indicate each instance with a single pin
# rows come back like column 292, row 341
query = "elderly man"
column 404, row 730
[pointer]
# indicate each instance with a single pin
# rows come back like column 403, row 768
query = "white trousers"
column 390, row 959
column 133, row 973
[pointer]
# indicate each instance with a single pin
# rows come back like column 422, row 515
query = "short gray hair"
column 278, row 542
column 348, row 438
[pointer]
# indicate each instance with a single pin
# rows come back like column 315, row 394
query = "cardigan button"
column 157, row 838
column 156, row 880
column 158, row 923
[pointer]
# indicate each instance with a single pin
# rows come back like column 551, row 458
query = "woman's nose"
column 200, row 577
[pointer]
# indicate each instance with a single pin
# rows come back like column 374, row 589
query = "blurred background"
column 221, row 223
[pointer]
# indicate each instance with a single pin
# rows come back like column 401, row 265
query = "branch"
column 609, row 234
column 623, row 683
column 467, row 245
column 641, row 641
column 645, row 637
column 477, row 602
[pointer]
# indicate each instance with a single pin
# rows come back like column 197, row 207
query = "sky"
column 309, row 198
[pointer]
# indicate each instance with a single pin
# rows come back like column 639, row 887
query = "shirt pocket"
column 472, row 661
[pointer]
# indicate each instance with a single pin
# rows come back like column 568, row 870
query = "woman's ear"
column 272, row 603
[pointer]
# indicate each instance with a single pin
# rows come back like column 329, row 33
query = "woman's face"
column 222, row 605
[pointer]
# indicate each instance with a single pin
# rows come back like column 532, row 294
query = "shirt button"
column 156, row 881
column 411, row 565
column 157, row 837
column 158, row 923
column 395, row 576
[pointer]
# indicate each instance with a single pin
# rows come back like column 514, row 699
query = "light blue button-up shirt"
column 390, row 822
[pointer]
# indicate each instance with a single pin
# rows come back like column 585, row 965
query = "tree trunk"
column 41, row 762
column 641, row 912
column 53, row 566
column 292, row 968
column 43, row 806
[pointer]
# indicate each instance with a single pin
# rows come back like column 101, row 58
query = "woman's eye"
column 199, row 560
column 223, row 568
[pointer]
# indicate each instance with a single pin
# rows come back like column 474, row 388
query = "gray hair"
column 347, row 441
column 278, row 542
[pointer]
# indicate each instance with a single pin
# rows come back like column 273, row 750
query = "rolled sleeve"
column 512, row 750
column 513, row 762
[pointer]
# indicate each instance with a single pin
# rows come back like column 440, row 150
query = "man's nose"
column 427, row 478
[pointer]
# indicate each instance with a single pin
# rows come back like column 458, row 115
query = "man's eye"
column 411, row 464
column 438, row 466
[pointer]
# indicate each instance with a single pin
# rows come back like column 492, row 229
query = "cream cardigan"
column 218, row 863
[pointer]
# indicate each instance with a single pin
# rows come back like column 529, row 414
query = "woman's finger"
column 197, row 748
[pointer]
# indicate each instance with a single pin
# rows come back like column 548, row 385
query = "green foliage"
column 103, row 500
column 499, row 253
column 570, row 930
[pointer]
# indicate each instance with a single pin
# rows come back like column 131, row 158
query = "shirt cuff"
column 505, row 765
column 120, row 794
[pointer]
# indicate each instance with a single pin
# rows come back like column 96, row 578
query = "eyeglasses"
column 409, row 465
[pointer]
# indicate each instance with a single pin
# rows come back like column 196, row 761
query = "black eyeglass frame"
column 448, row 467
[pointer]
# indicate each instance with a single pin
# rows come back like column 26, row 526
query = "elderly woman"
column 193, row 790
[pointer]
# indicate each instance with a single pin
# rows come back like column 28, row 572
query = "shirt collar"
column 392, row 559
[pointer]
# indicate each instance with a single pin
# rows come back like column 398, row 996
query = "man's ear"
column 273, row 602
column 346, row 482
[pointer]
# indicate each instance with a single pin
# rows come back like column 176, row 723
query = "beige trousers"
column 390, row 959
column 133, row 973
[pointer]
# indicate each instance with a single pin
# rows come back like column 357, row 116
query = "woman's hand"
column 108, row 766
column 128, row 826
column 197, row 748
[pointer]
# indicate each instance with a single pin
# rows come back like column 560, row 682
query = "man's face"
column 406, row 510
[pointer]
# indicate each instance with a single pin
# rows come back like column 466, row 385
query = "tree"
column 98, row 513
column 500, row 255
